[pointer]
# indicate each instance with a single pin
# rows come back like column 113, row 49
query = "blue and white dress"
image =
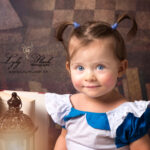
column 113, row 130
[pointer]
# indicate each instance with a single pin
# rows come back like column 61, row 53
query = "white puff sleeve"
column 58, row 106
column 135, row 125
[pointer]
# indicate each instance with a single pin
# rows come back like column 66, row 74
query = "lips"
column 92, row 86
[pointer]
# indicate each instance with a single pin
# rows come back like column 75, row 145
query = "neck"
column 109, row 98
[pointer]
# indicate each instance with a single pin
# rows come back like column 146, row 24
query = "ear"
column 68, row 66
column 122, row 68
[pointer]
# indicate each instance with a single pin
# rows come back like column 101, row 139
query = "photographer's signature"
column 16, row 61
column 13, row 61
column 41, row 60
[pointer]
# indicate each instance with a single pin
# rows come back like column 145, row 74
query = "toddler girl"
column 98, row 117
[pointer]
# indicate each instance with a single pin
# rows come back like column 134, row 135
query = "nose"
column 89, row 76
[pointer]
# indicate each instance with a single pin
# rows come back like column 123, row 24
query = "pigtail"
column 61, row 29
column 59, row 35
column 132, row 32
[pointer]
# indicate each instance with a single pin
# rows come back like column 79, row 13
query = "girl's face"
column 94, row 69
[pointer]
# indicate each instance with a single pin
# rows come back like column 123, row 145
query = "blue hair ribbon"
column 76, row 25
column 114, row 26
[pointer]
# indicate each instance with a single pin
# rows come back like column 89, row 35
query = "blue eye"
column 100, row 67
column 80, row 68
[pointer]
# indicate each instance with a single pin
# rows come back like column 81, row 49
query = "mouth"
column 92, row 86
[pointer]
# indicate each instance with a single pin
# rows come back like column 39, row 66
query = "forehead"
column 105, row 45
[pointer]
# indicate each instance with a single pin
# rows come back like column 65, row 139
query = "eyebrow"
column 78, row 63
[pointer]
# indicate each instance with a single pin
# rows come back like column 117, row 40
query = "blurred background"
column 32, row 60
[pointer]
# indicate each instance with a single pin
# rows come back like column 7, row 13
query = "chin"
column 93, row 95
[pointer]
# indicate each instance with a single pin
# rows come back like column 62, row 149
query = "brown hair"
column 95, row 30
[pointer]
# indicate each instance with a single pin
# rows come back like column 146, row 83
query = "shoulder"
column 134, row 122
column 57, row 105
column 125, row 112
column 138, row 107
column 57, row 98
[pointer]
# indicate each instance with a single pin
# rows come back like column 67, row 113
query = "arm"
column 141, row 144
column 61, row 141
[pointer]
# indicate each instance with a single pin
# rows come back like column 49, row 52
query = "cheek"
column 76, row 84
column 76, row 81
column 109, row 80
